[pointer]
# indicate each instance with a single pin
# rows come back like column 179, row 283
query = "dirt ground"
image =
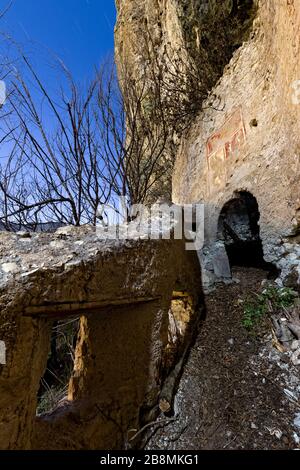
column 237, row 391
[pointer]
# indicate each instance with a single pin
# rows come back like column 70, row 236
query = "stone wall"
column 123, row 293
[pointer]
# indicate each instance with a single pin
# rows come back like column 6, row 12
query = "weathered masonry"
column 129, row 295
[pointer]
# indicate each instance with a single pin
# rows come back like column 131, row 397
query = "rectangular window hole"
column 53, row 389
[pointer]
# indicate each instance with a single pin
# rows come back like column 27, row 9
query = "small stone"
column 231, row 341
column 295, row 345
column 297, row 420
column 57, row 244
column 23, row 234
column 68, row 230
column 277, row 433
column 253, row 426
column 296, row 358
column 164, row 406
column 296, row 438
column 285, row 358
column 9, row 267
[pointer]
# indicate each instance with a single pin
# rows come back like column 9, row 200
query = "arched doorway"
column 238, row 229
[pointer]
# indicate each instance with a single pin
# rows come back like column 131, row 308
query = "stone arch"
column 238, row 230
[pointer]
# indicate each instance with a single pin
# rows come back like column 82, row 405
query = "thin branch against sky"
column 79, row 32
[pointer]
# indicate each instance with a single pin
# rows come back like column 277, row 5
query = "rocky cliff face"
column 243, row 137
column 186, row 42
column 208, row 31
column 248, row 140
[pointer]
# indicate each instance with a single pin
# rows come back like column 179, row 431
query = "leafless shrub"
column 87, row 146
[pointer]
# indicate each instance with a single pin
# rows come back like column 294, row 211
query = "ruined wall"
column 123, row 292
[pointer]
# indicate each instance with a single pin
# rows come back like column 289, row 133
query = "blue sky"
column 79, row 32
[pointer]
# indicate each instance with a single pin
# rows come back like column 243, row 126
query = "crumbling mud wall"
column 247, row 139
column 123, row 292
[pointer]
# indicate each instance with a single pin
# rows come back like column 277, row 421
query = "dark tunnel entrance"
column 238, row 228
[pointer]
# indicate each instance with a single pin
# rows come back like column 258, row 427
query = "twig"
column 230, row 442
column 164, row 422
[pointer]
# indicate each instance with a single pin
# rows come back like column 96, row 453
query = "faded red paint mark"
column 223, row 145
column 237, row 141
column 229, row 138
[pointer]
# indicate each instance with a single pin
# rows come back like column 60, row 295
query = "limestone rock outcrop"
column 245, row 137
column 248, row 139
column 179, row 49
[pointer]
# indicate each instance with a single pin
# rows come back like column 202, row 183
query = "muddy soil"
column 237, row 391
